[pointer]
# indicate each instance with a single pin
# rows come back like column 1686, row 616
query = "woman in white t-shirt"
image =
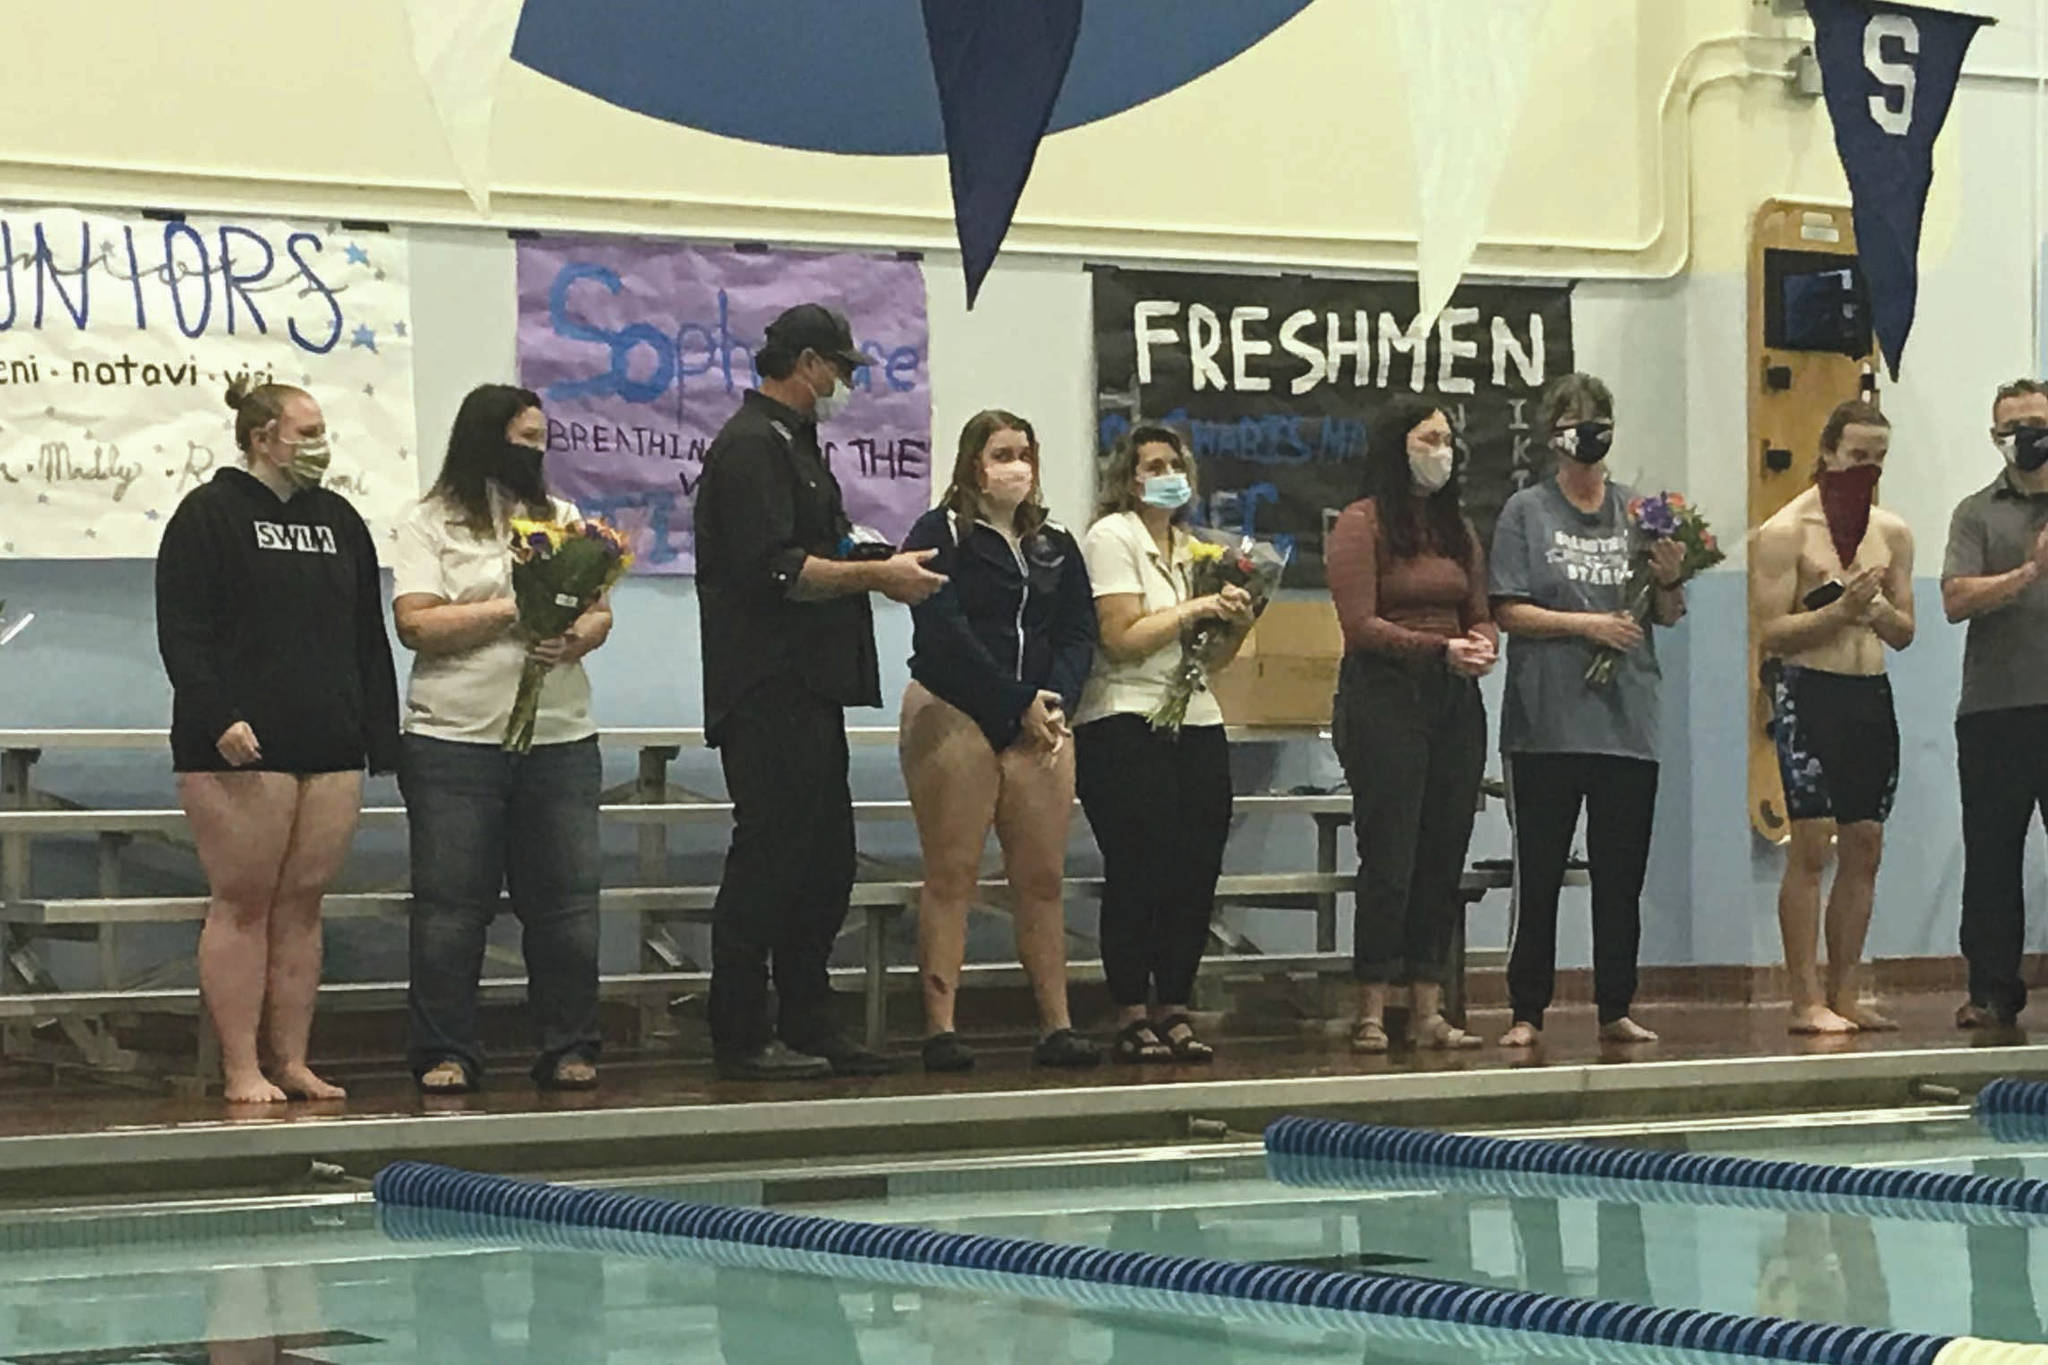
column 485, row 822
column 1158, row 800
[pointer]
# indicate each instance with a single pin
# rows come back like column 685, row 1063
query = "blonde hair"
column 257, row 405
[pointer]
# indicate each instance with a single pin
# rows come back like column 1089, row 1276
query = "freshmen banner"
column 641, row 350
column 1277, row 378
column 119, row 334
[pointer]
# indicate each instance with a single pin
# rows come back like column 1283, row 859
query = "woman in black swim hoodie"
column 271, row 625
column 998, row 658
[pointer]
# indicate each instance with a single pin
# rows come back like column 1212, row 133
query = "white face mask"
column 830, row 405
column 1431, row 469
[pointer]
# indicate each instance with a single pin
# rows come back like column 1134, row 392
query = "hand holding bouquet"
column 559, row 571
column 1241, row 574
column 1674, row 545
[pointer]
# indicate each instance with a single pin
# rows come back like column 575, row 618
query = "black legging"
column 1159, row 804
column 1545, row 792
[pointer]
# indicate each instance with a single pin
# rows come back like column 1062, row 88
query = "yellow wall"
column 1296, row 152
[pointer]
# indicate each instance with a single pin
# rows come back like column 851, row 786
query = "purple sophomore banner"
column 641, row 349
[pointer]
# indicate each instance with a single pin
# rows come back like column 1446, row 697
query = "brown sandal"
column 1370, row 1036
column 1438, row 1034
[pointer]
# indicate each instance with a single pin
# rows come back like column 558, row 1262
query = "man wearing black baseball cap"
column 789, row 643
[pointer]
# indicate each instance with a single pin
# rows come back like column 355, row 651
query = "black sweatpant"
column 1412, row 738
column 1545, row 792
column 2002, row 768
column 789, row 870
column 1159, row 804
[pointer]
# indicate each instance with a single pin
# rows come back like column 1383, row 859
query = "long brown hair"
column 1410, row 523
column 963, row 494
column 1113, row 493
column 257, row 405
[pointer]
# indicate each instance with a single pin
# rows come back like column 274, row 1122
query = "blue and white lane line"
column 1334, row 1153
column 419, row 1201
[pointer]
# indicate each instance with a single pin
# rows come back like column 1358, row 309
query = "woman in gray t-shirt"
column 1563, row 552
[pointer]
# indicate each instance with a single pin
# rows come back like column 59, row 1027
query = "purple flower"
column 538, row 542
column 1657, row 519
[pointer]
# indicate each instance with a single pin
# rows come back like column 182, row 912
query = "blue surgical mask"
column 1169, row 491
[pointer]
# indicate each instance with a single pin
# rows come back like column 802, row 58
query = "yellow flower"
column 530, row 535
column 1204, row 551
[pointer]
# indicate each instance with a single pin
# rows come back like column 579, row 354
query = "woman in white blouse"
column 1158, row 800
column 485, row 822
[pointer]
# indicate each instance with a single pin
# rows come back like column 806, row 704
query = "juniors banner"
column 641, row 350
column 119, row 334
column 1275, row 380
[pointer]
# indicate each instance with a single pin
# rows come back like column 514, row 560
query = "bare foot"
column 1811, row 1019
column 253, row 1088
column 1521, row 1035
column 300, row 1083
column 1867, row 1018
column 1626, row 1030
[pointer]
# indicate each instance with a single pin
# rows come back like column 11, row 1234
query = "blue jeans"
column 484, row 823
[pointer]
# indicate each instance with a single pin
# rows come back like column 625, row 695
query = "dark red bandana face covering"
column 1845, row 499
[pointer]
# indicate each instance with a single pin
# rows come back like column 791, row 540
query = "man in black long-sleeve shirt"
column 788, row 644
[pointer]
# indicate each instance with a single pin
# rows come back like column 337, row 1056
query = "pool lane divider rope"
column 425, row 1202
column 1331, row 1153
column 2013, row 1110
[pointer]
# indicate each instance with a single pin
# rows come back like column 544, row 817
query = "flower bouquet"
column 1216, row 560
column 1663, row 516
column 559, row 569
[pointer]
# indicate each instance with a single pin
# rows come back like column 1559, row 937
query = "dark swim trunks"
column 1838, row 744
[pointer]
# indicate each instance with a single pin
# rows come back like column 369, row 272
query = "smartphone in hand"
column 1824, row 595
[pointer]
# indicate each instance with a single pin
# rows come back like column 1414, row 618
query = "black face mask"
column 2029, row 448
column 1589, row 441
column 519, row 469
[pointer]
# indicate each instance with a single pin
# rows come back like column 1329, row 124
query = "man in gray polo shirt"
column 1996, row 578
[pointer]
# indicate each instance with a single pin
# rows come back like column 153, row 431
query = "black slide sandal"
column 1186, row 1048
column 1136, row 1043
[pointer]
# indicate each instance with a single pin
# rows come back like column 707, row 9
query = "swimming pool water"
column 300, row 1282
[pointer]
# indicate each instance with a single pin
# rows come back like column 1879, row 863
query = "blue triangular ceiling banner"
column 1889, row 72
column 1000, row 65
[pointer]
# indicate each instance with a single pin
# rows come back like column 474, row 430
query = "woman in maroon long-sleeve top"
column 1409, row 578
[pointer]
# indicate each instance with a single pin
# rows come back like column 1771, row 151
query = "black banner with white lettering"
column 1889, row 72
column 1275, row 380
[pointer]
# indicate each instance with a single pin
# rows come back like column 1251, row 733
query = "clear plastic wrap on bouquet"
column 1218, row 560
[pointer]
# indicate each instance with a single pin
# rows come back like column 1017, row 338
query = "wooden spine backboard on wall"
column 1792, row 389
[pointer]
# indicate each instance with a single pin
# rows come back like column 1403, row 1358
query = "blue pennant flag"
column 1889, row 72
column 1000, row 65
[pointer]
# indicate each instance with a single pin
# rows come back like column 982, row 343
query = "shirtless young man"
column 1837, row 736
